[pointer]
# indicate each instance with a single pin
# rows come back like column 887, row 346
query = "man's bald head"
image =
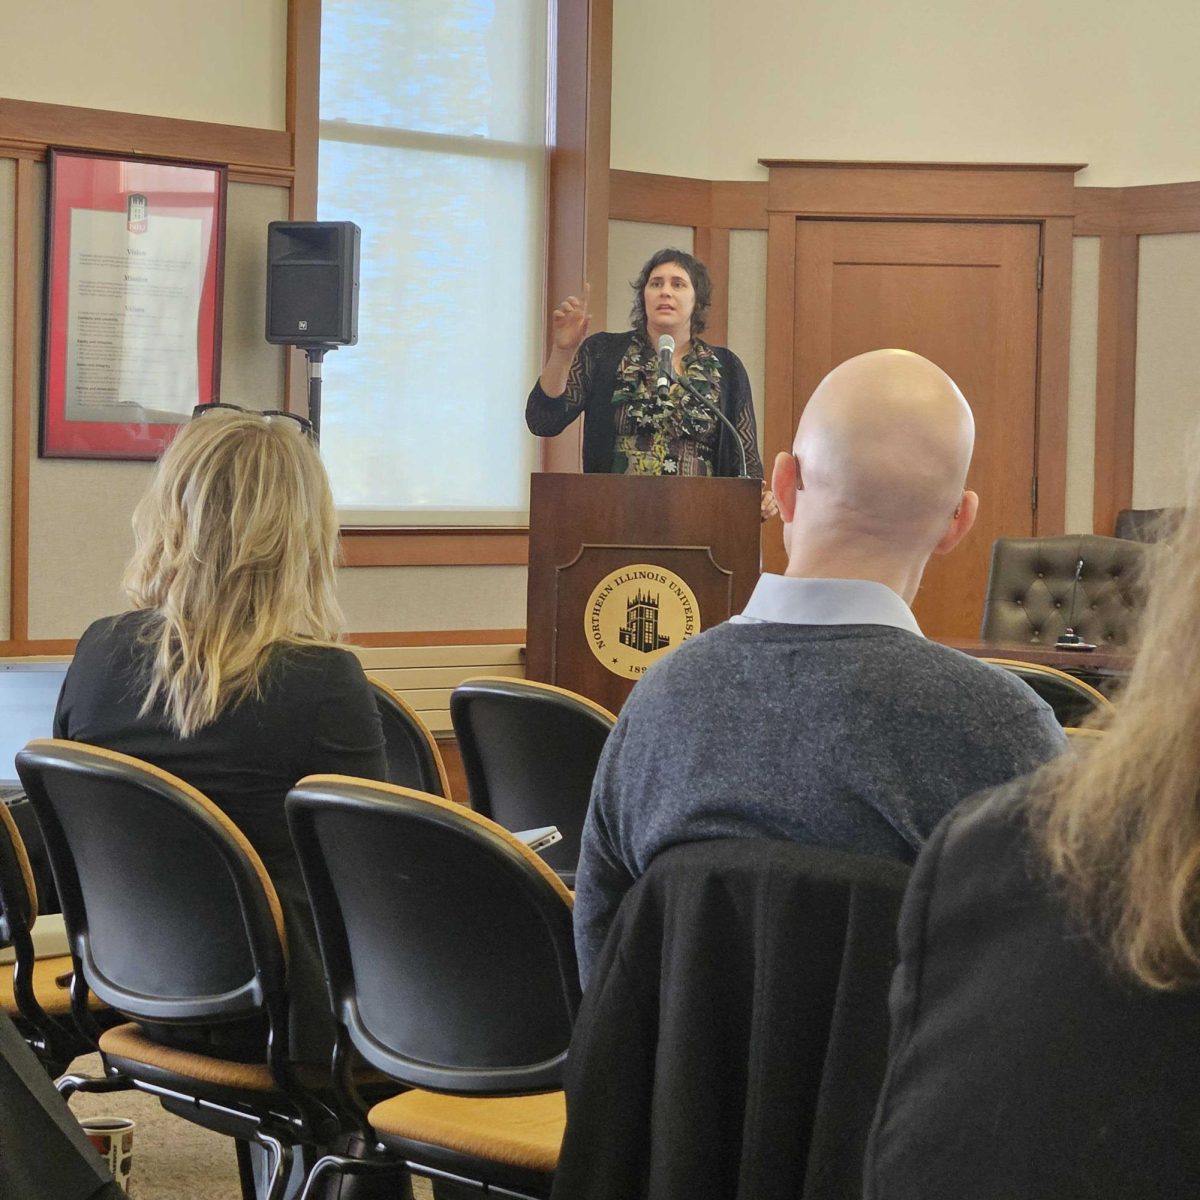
column 885, row 442
column 880, row 461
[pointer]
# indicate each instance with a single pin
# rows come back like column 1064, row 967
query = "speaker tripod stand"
column 315, row 356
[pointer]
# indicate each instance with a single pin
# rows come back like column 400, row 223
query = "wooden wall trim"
column 659, row 199
column 435, row 547
column 1153, row 208
column 303, row 107
column 1054, row 364
column 676, row 200
column 1116, row 367
column 24, row 376
column 30, row 127
column 439, row 637
column 57, row 647
column 577, row 187
column 943, row 190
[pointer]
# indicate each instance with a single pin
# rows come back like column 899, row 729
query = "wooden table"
column 1106, row 666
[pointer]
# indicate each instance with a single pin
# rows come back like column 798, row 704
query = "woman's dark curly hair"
column 701, row 283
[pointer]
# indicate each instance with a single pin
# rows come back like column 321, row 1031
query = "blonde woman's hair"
column 236, row 545
column 1119, row 817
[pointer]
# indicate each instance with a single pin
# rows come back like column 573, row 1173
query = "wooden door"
column 965, row 295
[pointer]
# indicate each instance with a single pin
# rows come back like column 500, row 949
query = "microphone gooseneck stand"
column 1069, row 639
column 667, row 375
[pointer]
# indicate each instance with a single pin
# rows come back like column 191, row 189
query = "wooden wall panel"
column 1116, row 363
column 27, row 127
column 1054, row 365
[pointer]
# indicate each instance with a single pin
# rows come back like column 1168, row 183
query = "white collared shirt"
column 826, row 602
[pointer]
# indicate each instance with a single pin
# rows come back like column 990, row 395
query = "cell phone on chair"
column 539, row 839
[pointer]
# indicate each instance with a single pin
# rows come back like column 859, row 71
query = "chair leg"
column 346, row 1166
column 245, row 1168
column 281, row 1158
column 68, row 1085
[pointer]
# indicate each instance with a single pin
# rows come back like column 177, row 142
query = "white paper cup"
column 113, row 1139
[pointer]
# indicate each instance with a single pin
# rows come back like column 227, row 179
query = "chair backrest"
column 1071, row 698
column 447, row 944
column 1032, row 596
column 1146, row 524
column 168, row 909
column 530, row 752
column 734, row 1034
column 413, row 758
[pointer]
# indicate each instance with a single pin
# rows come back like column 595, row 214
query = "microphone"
column 666, row 367
column 1069, row 639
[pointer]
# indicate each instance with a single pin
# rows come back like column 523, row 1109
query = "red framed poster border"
column 103, row 182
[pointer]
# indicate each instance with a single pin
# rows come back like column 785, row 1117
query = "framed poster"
column 132, row 328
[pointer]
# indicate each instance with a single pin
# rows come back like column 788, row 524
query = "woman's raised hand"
column 569, row 321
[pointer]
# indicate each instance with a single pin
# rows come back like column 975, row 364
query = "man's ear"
column 785, row 481
column 960, row 523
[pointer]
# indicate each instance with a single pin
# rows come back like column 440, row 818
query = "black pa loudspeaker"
column 312, row 283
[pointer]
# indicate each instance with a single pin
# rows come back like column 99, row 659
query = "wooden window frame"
column 579, row 99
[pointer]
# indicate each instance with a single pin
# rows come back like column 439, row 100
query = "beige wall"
column 706, row 88
column 1168, row 368
column 222, row 61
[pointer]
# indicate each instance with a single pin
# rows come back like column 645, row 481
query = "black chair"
column 451, row 967
column 1073, row 699
column 1032, row 595
column 530, row 752
column 173, row 921
column 413, row 758
column 1147, row 524
column 35, row 993
column 734, row 1034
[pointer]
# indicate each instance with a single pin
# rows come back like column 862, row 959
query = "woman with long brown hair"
column 1046, row 1013
column 226, row 672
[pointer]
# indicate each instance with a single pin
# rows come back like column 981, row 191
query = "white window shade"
column 433, row 133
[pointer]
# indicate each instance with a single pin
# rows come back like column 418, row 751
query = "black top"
column 1022, row 1063
column 590, row 387
column 315, row 714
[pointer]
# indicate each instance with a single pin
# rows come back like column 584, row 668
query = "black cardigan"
column 590, row 387
column 733, row 1036
column 1023, row 1065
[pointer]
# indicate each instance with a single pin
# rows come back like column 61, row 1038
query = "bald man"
column 821, row 714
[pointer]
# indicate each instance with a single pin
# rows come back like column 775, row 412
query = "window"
column 433, row 140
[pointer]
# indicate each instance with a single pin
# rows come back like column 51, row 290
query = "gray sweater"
column 855, row 737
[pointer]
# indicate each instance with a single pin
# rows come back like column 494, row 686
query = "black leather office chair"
column 1072, row 699
column 173, row 921
column 1032, row 596
column 734, row 1034
column 530, row 752
column 413, row 757
column 1147, row 524
column 450, row 959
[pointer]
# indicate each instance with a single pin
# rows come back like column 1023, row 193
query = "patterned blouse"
column 672, row 434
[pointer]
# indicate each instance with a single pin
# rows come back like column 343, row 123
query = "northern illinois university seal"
column 636, row 615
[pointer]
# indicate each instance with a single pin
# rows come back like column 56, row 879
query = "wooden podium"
column 624, row 567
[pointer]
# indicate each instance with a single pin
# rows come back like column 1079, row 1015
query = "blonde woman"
column 225, row 672
column 1046, row 1013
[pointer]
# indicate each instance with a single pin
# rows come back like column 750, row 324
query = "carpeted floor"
column 172, row 1158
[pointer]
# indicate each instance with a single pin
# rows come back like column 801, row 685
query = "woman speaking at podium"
column 649, row 396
